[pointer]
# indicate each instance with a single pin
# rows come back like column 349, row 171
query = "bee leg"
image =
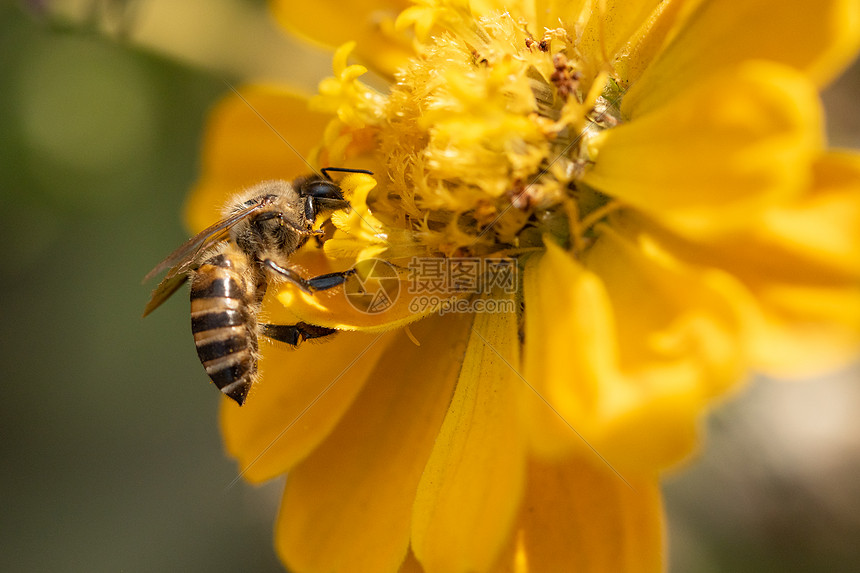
column 315, row 205
column 321, row 195
column 330, row 280
column 321, row 282
column 294, row 334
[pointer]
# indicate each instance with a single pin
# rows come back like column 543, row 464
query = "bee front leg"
column 320, row 282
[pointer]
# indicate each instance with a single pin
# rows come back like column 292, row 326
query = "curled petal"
column 799, row 267
column 625, row 355
column 823, row 226
column 798, row 331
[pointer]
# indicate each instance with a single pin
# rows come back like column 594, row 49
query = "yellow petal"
column 817, row 38
column 813, row 324
column 471, row 488
column 797, row 318
column 799, row 265
column 610, row 26
column 569, row 351
column 410, row 565
column 552, row 13
column 348, row 506
column 623, row 379
column 680, row 347
column 240, row 149
column 812, row 239
column 517, row 8
column 680, row 303
column 581, row 517
column 360, row 235
column 300, row 396
column 824, row 225
column 805, row 330
column 643, row 46
column 725, row 150
column 369, row 22
column 562, row 395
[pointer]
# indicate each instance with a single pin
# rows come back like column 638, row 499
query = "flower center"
column 486, row 137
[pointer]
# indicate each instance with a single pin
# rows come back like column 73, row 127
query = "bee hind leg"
column 320, row 282
column 294, row 334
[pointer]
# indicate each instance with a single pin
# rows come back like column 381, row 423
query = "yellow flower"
column 656, row 176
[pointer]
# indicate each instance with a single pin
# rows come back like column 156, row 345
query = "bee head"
column 321, row 196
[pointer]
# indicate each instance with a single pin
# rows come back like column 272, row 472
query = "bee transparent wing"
column 181, row 259
column 184, row 259
column 164, row 290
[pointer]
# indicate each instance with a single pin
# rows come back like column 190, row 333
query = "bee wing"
column 163, row 291
column 180, row 260
column 184, row 259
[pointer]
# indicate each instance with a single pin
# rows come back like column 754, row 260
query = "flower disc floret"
column 484, row 134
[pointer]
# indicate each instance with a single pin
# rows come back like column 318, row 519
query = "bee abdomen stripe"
column 226, row 370
column 221, row 287
column 217, row 348
column 214, row 320
column 203, row 305
column 238, row 390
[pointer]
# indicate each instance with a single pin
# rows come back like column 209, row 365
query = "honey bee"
column 230, row 265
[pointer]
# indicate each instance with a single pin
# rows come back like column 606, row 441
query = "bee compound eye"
column 322, row 189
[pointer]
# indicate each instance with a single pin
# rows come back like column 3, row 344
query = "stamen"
column 486, row 134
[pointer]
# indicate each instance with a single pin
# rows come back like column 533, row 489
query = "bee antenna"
column 325, row 171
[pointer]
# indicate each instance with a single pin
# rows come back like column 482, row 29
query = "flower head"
column 654, row 177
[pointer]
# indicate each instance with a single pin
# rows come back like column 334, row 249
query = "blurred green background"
column 111, row 455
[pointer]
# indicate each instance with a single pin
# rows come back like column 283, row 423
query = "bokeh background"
column 111, row 459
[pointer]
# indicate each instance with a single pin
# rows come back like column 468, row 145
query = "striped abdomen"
column 224, row 325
